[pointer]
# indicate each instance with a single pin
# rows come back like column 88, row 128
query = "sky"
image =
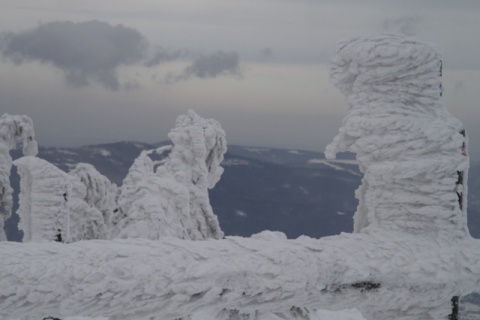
column 99, row 71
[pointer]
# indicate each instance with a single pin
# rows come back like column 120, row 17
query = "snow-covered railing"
column 409, row 255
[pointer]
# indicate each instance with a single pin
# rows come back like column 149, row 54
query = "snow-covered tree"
column 12, row 128
column 409, row 147
column 98, row 193
column 63, row 207
column 151, row 206
column 170, row 197
column 409, row 255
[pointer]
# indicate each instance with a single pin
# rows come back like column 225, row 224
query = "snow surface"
column 336, row 164
column 318, row 315
column 385, row 274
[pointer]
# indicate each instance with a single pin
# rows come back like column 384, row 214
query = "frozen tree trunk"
column 410, row 252
column 12, row 128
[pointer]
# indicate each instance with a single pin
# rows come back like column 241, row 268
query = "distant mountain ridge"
column 294, row 191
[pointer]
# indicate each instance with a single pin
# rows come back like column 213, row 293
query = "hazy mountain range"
column 293, row 191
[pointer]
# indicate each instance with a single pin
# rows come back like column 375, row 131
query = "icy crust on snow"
column 170, row 197
column 12, row 128
column 386, row 275
column 63, row 207
column 411, row 150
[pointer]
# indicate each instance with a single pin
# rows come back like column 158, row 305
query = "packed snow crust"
column 386, row 275
column 410, row 252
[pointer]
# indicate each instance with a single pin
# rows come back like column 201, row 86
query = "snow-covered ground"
column 317, row 315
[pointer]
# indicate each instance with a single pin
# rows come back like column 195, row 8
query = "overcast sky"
column 97, row 71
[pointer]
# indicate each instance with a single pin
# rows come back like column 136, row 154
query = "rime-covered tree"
column 170, row 197
column 99, row 194
column 12, row 129
column 63, row 207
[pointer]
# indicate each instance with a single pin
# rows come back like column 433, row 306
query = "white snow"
column 66, row 151
column 240, row 213
column 170, row 278
column 336, row 164
column 103, row 152
column 257, row 149
column 235, row 162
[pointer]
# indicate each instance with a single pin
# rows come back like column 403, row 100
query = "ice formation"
column 170, row 197
column 409, row 255
column 12, row 128
column 411, row 150
column 63, row 207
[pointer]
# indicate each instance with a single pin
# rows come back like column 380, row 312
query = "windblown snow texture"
column 386, row 275
column 170, row 197
column 12, row 128
column 411, row 150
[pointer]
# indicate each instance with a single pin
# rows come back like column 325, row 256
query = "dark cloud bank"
column 93, row 50
column 210, row 66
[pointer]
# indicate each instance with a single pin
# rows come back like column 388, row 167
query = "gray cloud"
column 84, row 51
column 216, row 64
column 267, row 52
column 92, row 51
column 162, row 55
column 407, row 25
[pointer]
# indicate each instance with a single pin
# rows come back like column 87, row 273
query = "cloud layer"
column 84, row 51
column 213, row 65
column 92, row 51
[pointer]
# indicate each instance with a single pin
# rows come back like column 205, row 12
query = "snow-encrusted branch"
column 12, row 128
